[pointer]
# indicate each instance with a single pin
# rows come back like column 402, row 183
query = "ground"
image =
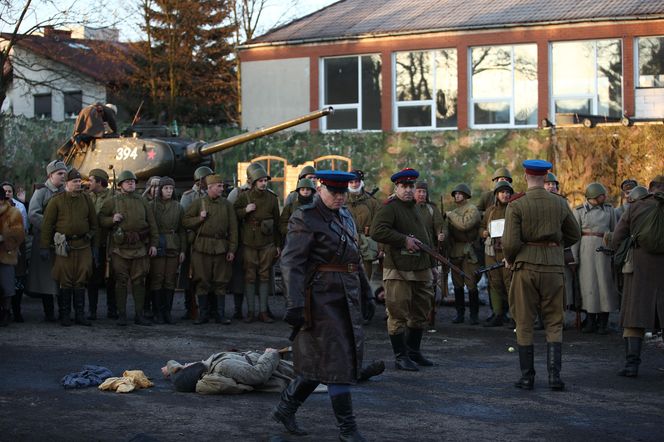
column 467, row 395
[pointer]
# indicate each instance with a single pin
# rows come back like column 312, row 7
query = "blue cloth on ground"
column 91, row 376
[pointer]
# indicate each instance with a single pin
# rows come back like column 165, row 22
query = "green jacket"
column 259, row 228
column 72, row 214
column 218, row 233
column 168, row 216
column 98, row 199
column 433, row 219
column 464, row 221
column 137, row 219
column 363, row 207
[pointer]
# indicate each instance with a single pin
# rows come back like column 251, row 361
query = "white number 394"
column 124, row 153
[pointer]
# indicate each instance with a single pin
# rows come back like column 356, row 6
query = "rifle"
column 576, row 294
column 137, row 115
column 486, row 269
column 438, row 257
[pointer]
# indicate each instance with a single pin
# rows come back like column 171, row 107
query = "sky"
column 124, row 13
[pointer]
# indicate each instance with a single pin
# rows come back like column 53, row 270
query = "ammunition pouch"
column 267, row 227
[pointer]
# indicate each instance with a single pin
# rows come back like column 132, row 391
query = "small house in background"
column 458, row 64
column 56, row 74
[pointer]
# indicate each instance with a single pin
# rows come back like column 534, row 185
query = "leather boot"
column 291, row 398
column 157, row 306
column 496, row 321
column 167, row 305
column 64, row 306
column 16, row 306
column 263, row 292
column 632, row 357
column 203, row 310
column 342, row 404
column 148, row 303
column 121, row 304
column 402, row 361
column 413, row 341
column 460, row 305
column 591, row 324
column 220, row 312
column 238, row 299
column 371, row 370
column 49, row 308
column 553, row 363
column 602, row 323
column 474, row 304
column 79, row 307
column 188, row 301
column 527, row 365
column 4, row 317
column 138, row 290
column 250, row 296
column 111, row 301
column 93, row 300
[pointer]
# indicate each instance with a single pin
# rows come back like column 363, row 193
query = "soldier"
column 95, row 121
column 626, row 188
column 643, row 297
column 327, row 296
column 39, row 280
column 407, row 275
column 214, row 222
column 99, row 194
column 491, row 230
column 488, row 198
column 70, row 227
column 363, row 207
column 538, row 224
column 464, row 222
column 134, row 239
column 305, row 190
column 308, row 172
column 551, row 183
column 168, row 215
column 598, row 291
column 20, row 269
column 12, row 235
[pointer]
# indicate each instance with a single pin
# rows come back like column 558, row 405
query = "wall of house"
column 274, row 91
column 649, row 103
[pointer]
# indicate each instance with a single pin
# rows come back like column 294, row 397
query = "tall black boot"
column 474, row 304
column 167, row 305
column 64, row 306
column 4, row 317
column 591, row 323
column 138, row 291
column 93, row 300
column 632, row 357
column 220, row 317
column 553, row 363
column 413, row 341
column 16, row 306
column 157, row 306
column 238, row 299
column 602, row 323
column 188, row 302
column 342, row 404
column 49, row 308
column 203, row 309
column 460, row 305
column 291, row 398
column 111, row 301
column 527, row 365
column 401, row 359
column 79, row 307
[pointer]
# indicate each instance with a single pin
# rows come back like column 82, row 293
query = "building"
column 458, row 64
column 54, row 75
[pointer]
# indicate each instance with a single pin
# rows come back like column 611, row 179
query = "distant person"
column 95, row 121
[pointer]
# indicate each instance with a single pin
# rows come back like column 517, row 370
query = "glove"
column 44, row 254
column 95, row 256
column 294, row 317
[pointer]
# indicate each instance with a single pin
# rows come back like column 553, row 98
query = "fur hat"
column 55, row 166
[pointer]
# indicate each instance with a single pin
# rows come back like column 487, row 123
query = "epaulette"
column 389, row 199
column 187, row 192
column 38, row 186
column 57, row 195
column 608, row 205
column 516, row 196
column 579, row 207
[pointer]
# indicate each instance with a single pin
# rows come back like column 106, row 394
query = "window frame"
column 73, row 115
column 637, row 73
column 34, row 105
column 415, row 103
column 497, row 99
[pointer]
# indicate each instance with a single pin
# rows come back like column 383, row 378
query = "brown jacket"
column 11, row 229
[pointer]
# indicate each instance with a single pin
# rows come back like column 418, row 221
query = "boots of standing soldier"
column 220, row 318
column 474, row 304
column 111, row 301
column 460, row 305
column 167, row 305
column 93, row 300
column 238, row 299
column 291, row 398
column 632, row 357
column 554, row 354
column 138, row 290
column 64, row 306
column 413, row 341
column 203, row 309
column 250, row 296
column 527, row 365
column 497, row 318
column 148, row 303
column 79, row 307
column 602, row 323
column 591, row 323
column 263, row 292
column 157, row 306
column 49, row 308
column 16, row 306
column 188, row 308
column 121, row 304
column 4, row 311
column 342, row 404
column 401, row 359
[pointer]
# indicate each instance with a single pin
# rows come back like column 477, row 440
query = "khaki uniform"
column 99, row 268
column 407, row 276
column 172, row 241
column 364, row 207
column 285, row 216
column 487, row 199
column 537, row 227
column 464, row 221
column 190, row 196
column 499, row 279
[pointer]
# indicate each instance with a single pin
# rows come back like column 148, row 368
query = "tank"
column 154, row 151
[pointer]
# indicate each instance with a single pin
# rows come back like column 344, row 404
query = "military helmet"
column 463, row 188
column 308, row 170
column 503, row 185
column 257, row 173
column 251, row 167
column 305, row 183
column 202, row 172
column 594, row 190
column 126, row 175
column 502, row 172
column 551, row 178
column 637, row 193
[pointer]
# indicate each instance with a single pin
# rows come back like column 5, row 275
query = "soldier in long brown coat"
column 538, row 224
column 12, row 235
column 364, row 207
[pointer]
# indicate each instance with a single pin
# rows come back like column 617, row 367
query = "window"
column 503, row 86
column 352, row 85
column 651, row 62
column 587, row 77
column 425, row 89
column 42, row 105
column 73, row 103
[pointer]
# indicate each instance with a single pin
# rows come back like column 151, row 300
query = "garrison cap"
column 405, row 176
column 213, row 179
column 73, row 174
column 55, row 166
column 99, row 173
column 335, row 180
column 537, row 167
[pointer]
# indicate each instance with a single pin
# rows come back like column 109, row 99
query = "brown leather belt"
column 543, row 243
column 342, row 268
column 597, row 234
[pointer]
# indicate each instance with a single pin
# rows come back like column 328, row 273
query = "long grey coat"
column 330, row 350
column 40, row 280
column 643, row 290
column 598, row 290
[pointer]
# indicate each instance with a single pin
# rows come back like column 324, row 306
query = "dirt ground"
column 467, row 395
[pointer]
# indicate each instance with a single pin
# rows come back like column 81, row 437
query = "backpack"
column 650, row 235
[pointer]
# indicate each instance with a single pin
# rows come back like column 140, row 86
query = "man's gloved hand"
column 294, row 316
column 44, row 254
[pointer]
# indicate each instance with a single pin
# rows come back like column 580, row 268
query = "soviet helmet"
column 594, row 190
column 637, row 193
column 126, row 175
column 551, row 178
column 463, row 188
column 257, row 173
column 503, row 185
column 305, row 183
column 502, row 172
column 251, row 167
column 202, row 172
column 307, row 170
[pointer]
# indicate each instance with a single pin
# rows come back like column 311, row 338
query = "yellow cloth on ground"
column 130, row 381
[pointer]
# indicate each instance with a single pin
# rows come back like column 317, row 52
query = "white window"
column 425, row 90
column 650, row 56
column 503, row 86
column 352, row 85
column 586, row 78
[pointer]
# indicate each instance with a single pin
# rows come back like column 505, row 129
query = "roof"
column 349, row 19
column 104, row 61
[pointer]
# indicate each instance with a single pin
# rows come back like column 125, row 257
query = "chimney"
column 56, row 34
